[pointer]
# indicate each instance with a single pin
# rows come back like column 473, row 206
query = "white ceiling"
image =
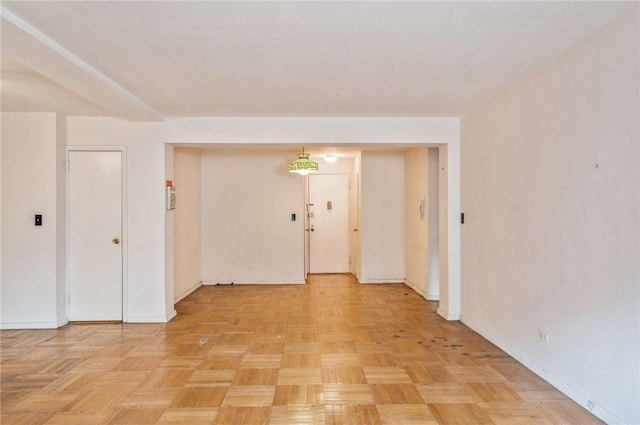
column 146, row 60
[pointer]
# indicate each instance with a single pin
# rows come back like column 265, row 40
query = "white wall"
column 382, row 227
column 187, row 225
column 422, row 262
column 416, row 224
column 247, row 233
column 551, row 197
column 341, row 166
column 169, row 236
column 30, row 185
column 61, row 219
column 433, row 286
column 1, row 214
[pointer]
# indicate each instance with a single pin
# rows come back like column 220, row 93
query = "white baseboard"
column 256, row 282
column 446, row 315
column 411, row 285
column 564, row 388
column 186, row 292
column 29, row 325
column 425, row 295
column 171, row 315
column 149, row 319
column 63, row 322
column 368, row 281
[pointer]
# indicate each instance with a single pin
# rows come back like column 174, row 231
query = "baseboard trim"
column 149, row 319
column 375, row 281
column 423, row 293
column 255, row 282
column 29, row 325
column 447, row 316
column 575, row 395
column 63, row 322
column 171, row 315
column 186, row 292
column 411, row 285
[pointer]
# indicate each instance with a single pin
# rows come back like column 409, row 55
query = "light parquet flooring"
column 329, row 352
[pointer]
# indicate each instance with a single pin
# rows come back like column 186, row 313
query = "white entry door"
column 95, row 235
column 328, row 223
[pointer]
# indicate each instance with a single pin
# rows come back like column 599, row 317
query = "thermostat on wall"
column 171, row 196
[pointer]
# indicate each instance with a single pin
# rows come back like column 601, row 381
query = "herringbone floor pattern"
column 329, row 352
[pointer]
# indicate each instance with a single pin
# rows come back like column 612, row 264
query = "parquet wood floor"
column 329, row 352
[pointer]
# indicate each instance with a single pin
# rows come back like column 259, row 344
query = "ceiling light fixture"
column 303, row 165
column 330, row 158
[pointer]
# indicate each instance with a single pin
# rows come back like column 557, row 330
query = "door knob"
column 116, row 241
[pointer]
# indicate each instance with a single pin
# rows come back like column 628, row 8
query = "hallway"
column 329, row 352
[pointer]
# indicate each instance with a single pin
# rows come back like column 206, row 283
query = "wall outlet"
column 543, row 336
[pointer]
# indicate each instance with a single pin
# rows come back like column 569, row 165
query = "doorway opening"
column 249, row 184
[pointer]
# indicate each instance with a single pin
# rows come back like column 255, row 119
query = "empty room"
column 222, row 212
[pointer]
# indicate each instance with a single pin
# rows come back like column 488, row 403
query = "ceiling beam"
column 27, row 45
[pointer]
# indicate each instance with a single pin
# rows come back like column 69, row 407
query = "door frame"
column 124, row 210
column 307, row 236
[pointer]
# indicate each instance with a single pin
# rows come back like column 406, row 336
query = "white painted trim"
column 125, row 238
column 171, row 315
column 375, row 281
column 186, row 292
column 444, row 314
column 152, row 319
column 29, row 325
column 569, row 391
column 125, row 221
column 337, row 173
column 63, row 322
column 424, row 294
column 256, row 282
column 415, row 288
